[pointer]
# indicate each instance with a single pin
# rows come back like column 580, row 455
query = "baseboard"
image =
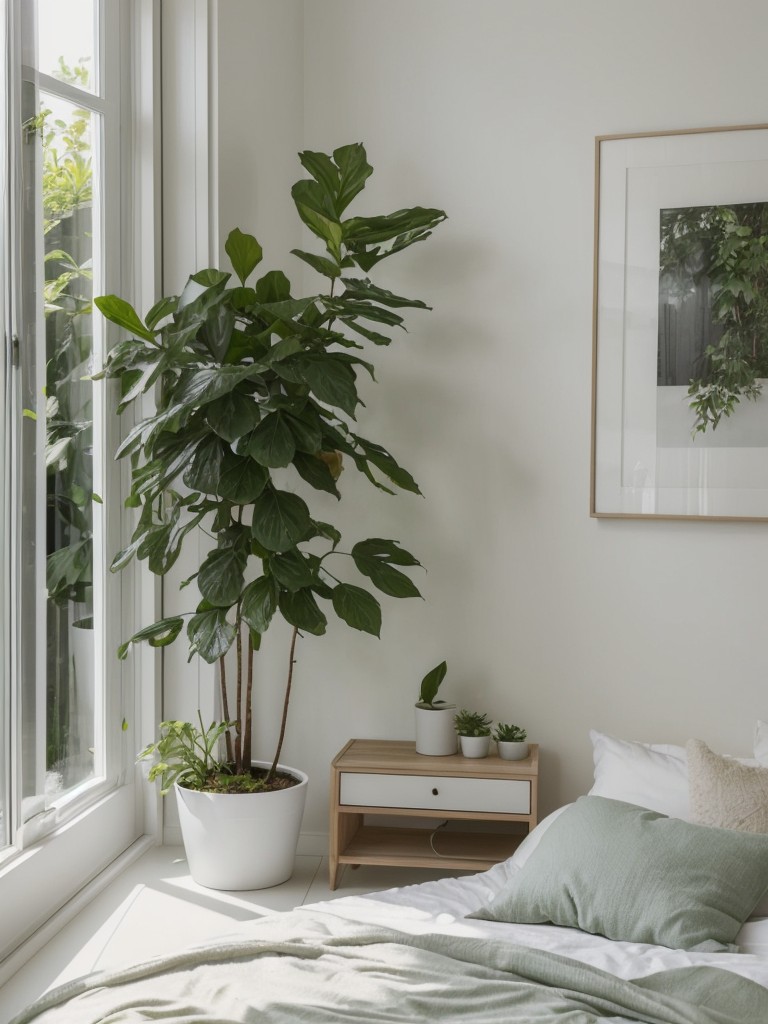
column 311, row 844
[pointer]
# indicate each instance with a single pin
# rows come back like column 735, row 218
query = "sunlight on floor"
column 154, row 907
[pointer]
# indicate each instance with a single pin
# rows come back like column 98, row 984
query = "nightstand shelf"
column 371, row 779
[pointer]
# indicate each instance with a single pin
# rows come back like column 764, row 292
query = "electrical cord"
column 432, row 840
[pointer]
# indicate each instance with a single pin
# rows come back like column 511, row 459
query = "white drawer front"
column 502, row 796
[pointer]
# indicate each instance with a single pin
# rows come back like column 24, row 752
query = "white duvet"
column 442, row 907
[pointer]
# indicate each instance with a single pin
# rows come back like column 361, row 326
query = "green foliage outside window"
column 67, row 193
column 723, row 249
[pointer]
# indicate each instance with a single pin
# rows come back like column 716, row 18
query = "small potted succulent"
column 435, row 731
column 474, row 730
column 510, row 741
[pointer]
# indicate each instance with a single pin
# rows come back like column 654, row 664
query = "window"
column 66, row 714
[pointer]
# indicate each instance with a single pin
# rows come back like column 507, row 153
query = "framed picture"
column 680, row 356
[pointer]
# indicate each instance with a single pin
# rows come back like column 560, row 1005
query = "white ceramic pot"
column 512, row 751
column 435, row 730
column 242, row 840
column 475, row 746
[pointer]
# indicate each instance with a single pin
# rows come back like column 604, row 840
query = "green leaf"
column 331, row 381
column 325, row 173
column 66, row 565
column 259, row 603
column 382, row 575
column 308, row 197
column 405, row 227
column 273, row 287
column 283, row 349
column 382, row 460
column 159, row 634
column 430, row 684
column 123, row 314
column 321, row 264
column 315, row 472
column 221, row 576
column 233, row 416
column 363, row 289
column 203, row 386
column 385, row 550
column 401, row 224
column 217, row 330
column 210, row 634
column 306, row 430
column 160, row 310
column 375, row 336
column 350, row 309
column 293, row 570
column 211, row 278
column 203, row 472
column 354, row 172
column 272, row 443
column 320, row 529
column 244, row 253
column 242, row 479
column 357, row 608
column 280, row 519
column 300, row 609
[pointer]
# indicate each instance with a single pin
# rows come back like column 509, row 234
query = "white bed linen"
column 442, row 907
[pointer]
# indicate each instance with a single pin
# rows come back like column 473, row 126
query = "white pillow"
column 649, row 775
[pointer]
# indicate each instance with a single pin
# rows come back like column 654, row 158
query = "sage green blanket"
column 351, row 973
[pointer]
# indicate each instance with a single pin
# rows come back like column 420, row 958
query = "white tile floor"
column 155, row 906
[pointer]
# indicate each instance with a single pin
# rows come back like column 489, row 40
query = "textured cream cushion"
column 725, row 793
column 761, row 741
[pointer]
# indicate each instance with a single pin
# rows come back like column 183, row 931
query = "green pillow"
column 614, row 869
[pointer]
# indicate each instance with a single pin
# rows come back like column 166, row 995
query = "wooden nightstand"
column 373, row 778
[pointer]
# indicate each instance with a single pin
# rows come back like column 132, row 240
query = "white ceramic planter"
column 435, row 731
column 475, row 746
column 512, row 751
column 243, row 840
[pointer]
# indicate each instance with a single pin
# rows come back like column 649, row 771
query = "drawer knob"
column 434, row 791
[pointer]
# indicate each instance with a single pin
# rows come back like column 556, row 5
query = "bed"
column 660, row 919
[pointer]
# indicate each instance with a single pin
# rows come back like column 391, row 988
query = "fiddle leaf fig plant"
column 257, row 403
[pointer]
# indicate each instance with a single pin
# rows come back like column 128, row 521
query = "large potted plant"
column 256, row 401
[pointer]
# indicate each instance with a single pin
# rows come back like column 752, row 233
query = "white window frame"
column 38, row 878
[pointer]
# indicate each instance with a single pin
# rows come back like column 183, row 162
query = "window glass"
column 70, row 243
column 66, row 37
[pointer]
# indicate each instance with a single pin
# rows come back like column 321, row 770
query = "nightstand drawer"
column 435, row 792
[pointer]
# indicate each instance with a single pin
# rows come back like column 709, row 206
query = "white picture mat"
column 721, row 474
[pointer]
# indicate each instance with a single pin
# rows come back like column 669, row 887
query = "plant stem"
column 225, row 707
column 248, row 704
column 239, row 731
column 291, row 663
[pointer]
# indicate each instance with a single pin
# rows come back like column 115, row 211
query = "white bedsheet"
column 442, row 907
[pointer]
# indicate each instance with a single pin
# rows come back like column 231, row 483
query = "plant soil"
column 254, row 782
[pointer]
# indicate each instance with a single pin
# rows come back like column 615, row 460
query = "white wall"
column 489, row 108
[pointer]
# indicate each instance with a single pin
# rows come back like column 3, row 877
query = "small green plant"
column 430, row 684
column 509, row 733
column 472, row 723
column 185, row 754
